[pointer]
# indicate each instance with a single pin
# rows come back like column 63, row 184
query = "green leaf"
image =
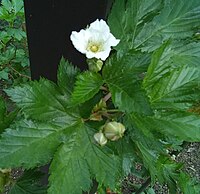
column 162, row 168
column 17, row 34
column 5, row 38
column 29, row 183
column 187, row 184
column 79, row 160
column 149, row 159
column 177, row 20
column 5, row 118
column 126, row 18
column 4, row 75
column 179, row 89
column 159, row 65
column 18, row 6
column 8, row 55
column 87, row 85
column 184, row 126
column 183, row 53
column 69, row 169
column 126, row 150
column 6, row 4
column 123, row 79
column 102, row 158
column 28, row 139
column 66, row 76
column 146, row 141
column 43, row 101
column 86, row 108
column 171, row 82
column 149, row 191
column 2, row 108
column 167, row 172
column 170, row 56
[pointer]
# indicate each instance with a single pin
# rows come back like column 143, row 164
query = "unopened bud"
column 95, row 65
column 114, row 130
column 100, row 138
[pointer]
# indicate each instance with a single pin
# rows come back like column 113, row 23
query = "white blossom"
column 95, row 41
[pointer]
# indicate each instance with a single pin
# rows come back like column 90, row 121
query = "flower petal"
column 80, row 40
column 112, row 41
column 103, row 55
column 99, row 26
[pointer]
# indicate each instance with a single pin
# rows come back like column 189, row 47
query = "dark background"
column 49, row 25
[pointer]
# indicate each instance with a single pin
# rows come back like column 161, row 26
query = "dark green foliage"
column 66, row 76
column 78, row 160
column 87, row 85
column 5, row 117
column 29, row 183
column 29, row 144
column 43, row 101
column 13, row 44
column 123, row 79
column 187, row 184
column 150, row 84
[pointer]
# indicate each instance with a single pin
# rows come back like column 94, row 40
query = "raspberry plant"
column 149, row 84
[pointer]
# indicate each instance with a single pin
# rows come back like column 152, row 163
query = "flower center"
column 94, row 48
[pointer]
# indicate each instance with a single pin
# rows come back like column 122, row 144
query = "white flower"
column 95, row 41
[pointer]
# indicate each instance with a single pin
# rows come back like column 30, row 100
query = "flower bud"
column 114, row 130
column 100, row 138
column 95, row 65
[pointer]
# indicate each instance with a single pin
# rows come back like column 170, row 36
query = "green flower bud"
column 100, row 138
column 114, row 130
column 95, row 65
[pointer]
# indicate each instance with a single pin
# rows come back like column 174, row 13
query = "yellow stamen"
column 94, row 48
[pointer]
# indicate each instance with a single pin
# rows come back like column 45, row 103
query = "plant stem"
column 104, row 88
column 111, row 111
column 22, row 75
column 144, row 186
column 107, row 97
